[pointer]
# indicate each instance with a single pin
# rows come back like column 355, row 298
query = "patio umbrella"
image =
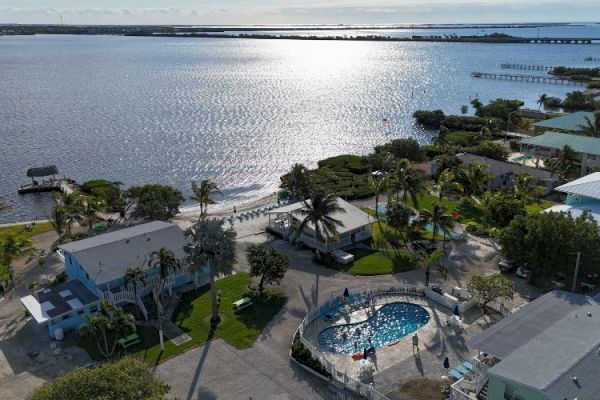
column 346, row 293
column 446, row 363
column 456, row 312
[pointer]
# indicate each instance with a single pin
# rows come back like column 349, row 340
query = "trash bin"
column 59, row 334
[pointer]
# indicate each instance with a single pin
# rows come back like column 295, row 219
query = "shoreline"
column 219, row 211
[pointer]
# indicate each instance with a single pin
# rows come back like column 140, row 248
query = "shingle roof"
column 587, row 371
column 569, row 122
column 49, row 303
column 556, row 140
column 545, row 362
column 506, row 336
column 500, row 168
column 588, row 186
column 106, row 257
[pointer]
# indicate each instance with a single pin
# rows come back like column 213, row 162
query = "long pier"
column 592, row 59
column 528, row 67
column 526, row 78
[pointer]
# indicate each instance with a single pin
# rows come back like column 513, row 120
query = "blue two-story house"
column 97, row 270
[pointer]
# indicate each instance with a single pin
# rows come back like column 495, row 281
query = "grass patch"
column 238, row 329
column 148, row 336
column 538, row 206
column 39, row 227
column 377, row 262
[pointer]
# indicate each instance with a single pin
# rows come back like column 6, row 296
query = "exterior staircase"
column 483, row 394
column 150, row 307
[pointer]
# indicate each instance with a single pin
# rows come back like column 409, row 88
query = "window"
column 94, row 309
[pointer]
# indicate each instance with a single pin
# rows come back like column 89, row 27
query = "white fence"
column 366, row 390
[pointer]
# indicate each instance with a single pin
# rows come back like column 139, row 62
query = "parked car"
column 425, row 245
column 523, row 272
column 507, row 265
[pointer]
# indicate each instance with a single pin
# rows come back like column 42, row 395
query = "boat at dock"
column 48, row 181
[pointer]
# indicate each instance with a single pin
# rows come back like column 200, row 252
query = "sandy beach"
column 216, row 210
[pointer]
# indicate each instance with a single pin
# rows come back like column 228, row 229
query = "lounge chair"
column 455, row 374
column 468, row 365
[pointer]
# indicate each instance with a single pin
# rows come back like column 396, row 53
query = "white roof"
column 352, row 219
column 576, row 211
column 38, row 311
column 588, row 186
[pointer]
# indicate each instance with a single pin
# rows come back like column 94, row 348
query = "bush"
column 490, row 150
column 499, row 108
column 579, row 101
column 472, row 124
column 430, row 119
column 403, row 148
column 473, row 227
column 461, row 138
column 594, row 85
column 342, row 162
column 303, row 356
column 552, row 102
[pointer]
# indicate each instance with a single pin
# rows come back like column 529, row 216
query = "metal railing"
column 366, row 390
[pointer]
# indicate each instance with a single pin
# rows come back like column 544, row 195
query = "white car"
column 523, row 272
column 507, row 266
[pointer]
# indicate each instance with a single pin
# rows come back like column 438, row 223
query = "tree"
column 403, row 148
column 501, row 109
column 126, row 379
column 491, row 150
column 499, row 208
column 154, row 201
column 523, row 187
column 579, row 101
column 473, row 177
column 464, row 109
column 542, row 100
column 317, row 213
column 14, row 247
column 592, row 125
column 268, row 264
column 429, row 119
column 440, row 219
column 399, row 216
column 214, row 246
column 490, row 288
column 408, row 181
column 108, row 193
column 297, row 181
column 545, row 243
column 378, row 184
column 565, row 165
column 476, row 104
column 167, row 263
column 134, row 275
column 446, row 184
column 203, row 194
column 429, row 262
column 107, row 326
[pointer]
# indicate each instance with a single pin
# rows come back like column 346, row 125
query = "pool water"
column 390, row 323
column 521, row 158
column 383, row 211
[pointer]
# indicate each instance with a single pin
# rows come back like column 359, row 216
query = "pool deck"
column 384, row 357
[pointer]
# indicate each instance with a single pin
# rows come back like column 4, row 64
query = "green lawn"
column 238, row 329
column 375, row 262
column 39, row 227
column 538, row 207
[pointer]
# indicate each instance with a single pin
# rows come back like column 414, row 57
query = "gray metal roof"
column 42, row 171
column 498, row 168
column 570, row 122
column 352, row 218
column 587, row 371
column 588, row 185
column 556, row 140
column 514, row 331
column 545, row 362
column 106, row 257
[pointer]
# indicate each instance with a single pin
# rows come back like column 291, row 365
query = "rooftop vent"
column 126, row 240
column 575, row 379
column 148, row 238
column 589, row 313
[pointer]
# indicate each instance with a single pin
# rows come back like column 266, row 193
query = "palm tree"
column 318, row 213
column 429, row 262
column 297, row 181
column 203, row 194
column 408, row 181
column 399, row 217
column 210, row 244
column 565, row 164
column 135, row 275
column 440, row 219
column 473, row 178
column 591, row 128
column 542, row 100
column 14, row 247
column 167, row 263
column 378, row 184
column 447, row 184
column 524, row 187
column 107, row 327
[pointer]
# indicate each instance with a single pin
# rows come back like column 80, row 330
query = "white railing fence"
column 366, row 390
column 142, row 307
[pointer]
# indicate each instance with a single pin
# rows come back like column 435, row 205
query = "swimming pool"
column 383, row 211
column 521, row 158
column 391, row 322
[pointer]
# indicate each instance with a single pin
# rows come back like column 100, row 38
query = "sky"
column 246, row 12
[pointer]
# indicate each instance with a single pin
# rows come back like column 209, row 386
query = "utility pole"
column 576, row 271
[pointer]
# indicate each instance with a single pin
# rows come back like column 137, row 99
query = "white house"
column 356, row 226
column 583, row 195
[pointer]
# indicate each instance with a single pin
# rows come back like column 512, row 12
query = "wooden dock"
column 527, row 67
column 51, row 185
column 526, row 78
